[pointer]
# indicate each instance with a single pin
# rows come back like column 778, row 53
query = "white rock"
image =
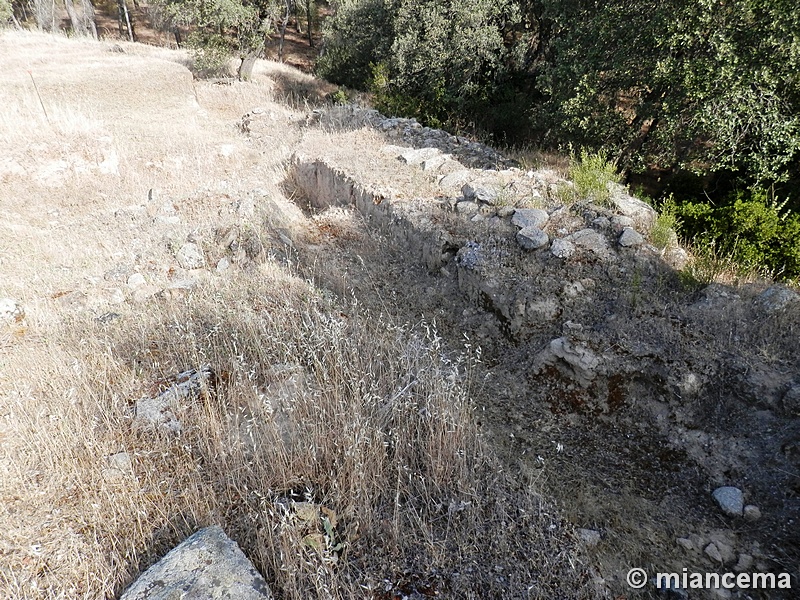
column 11, row 311
column 686, row 544
column 776, row 298
column 190, row 256
column 136, row 280
column 561, row 248
column 643, row 214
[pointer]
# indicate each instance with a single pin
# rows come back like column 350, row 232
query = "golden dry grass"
column 367, row 421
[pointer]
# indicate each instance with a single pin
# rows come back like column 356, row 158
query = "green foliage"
column 221, row 28
column 592, row 175
column 357, row 36
column 210, row 53
column 752, row 229
column 6, row 11
column 664, row 231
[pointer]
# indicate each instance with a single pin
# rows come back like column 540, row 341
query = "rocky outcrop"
column 208, row 565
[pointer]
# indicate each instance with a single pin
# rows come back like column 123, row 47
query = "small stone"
column 630, row 238
column 590, row 537
column 562, row 248
column 590, row 240
column 119, row 467
column 730, row 500
column 190, row 256
column 467, row 208
column 454, row 179
column 11, row 311
column 686, row 544
column 136, row 280
column 713, row 552
column 745, row 563
column 479, row 194
column 752, row 512
column 776, row 298
column 224, row 264
column 530, row 217
column 532, row 238
column 601, row 223
column 620, row 222
column 505, row 211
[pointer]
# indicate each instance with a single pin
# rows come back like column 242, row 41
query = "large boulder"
column 642, row 214
column 207, row 565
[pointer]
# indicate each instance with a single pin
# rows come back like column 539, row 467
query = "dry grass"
column 316, row 400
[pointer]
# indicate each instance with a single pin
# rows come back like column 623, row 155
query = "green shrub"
column 5, row 12
column 751, row 228
column 664, row 231
column 211, row 54
column 591, row 176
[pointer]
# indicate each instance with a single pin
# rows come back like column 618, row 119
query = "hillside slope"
column 391, row 389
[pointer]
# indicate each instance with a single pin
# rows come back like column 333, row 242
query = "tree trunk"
column 310, row 21
column 77, row 24
column 246, row 66
column 125, row 20
column 284, row 23
column 89, row 16
column 178, row 37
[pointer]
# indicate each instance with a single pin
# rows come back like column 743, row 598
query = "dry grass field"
column 336, row 446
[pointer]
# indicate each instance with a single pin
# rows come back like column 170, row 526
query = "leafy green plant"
column 210, row 54
column 752, row 230
column 592, row 175
column 664, row 231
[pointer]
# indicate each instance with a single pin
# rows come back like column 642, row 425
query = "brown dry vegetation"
column 108, row 162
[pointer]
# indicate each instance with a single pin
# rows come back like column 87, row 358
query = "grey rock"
column 776, row 298
column 505, row 211
column 190, row 256
column 791, row 401
column 642, row 214
column 481, row 194
column 208, row 565
column 619, row 223
column 11, row 311
column 590, row 240
column 676, row 257
column 713, row 552
column 601, row 223
column 730, row 500
column 530, row 217
column 532, row 238
column 630, row 238
column 467, row 208
column 562, row 248
column 577, row 361
column 752, row 512
column 589, row 537
column 745, row 563
column 686, row 544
